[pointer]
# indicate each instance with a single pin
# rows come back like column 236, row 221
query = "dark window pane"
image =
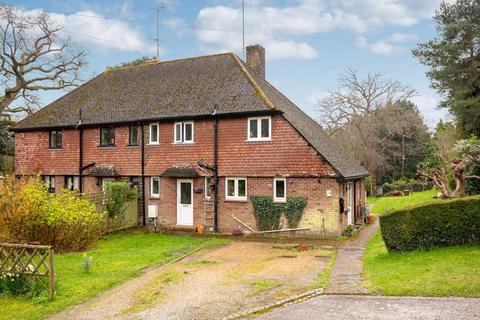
column 265, row 128
column 55, row 139
column 242, row 190
column 154, row 133
column 207, row 187
column 188, row 132
column 178, row 132
column 280, row 189
column 185, row 193
column 107, row 136
column 253, row 128
column 231, row 188
column 155, row 186
column 133, row 135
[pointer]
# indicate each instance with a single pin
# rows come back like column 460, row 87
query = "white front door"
column 350, row 203
column 185, row 202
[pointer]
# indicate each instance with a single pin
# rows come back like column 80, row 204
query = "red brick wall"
column 287, row 153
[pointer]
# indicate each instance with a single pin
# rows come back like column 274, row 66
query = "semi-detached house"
column 198, row 137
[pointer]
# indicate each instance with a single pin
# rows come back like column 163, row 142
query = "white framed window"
column 208, row 191
column 236, row 188
column 154, row 133
column 183, row 132
column 49, row 183
column 279, row 190
column 72, row 183
column 155, row 187
column 259, row 129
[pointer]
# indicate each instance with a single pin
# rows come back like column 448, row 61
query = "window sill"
column 153, row 144
column 133, row 145
column 107, row 146
column 183, row 143
column 259, row 141
column 236, row 200
column 280, row 201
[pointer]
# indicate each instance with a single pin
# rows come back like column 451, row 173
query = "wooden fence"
column 34, row 261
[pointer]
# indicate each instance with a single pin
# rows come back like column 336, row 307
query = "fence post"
column 51, row 273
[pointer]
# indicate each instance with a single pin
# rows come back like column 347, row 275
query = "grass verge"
column 383, row 205
column 116, row 258
column 451, row 271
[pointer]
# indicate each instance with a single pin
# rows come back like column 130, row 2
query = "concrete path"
column 346, row 275
column 374, row 307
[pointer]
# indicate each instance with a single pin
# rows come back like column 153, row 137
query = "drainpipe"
column 80, row 160
column 215, row 170
column 144, row 220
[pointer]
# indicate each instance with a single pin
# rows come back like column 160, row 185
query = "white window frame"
column 150, row 133
column 207, row 187
column 154, row 195
column 275, row 198
column 259, row 129
column 236, row 197
column 182, row 132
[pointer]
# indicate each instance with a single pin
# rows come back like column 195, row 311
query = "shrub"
column 453, row 222
column 87, row 263
column 18, row 284
column 28, row 213
column 119, row 193
column 473, row 185
column 268, row 213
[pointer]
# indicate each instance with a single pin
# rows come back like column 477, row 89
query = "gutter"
column 144, row 218
column 215, row 171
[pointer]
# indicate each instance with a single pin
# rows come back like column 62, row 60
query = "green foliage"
column 119, row 193
column 450, row 271
column 134, row 62
column 87, row 263
column 28, row 213
column 19, row 284
column 455, row 222
column 268, row 213
column 473, row 185
column 7, row 144
column 453, row 61
column 406, row 184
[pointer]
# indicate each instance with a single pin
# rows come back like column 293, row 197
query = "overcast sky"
column 308, row 42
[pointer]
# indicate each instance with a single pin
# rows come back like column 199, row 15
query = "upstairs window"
column 155, row 187
column 133, row 135
column 280, row 190
column 49, row 183
column 72, row 183
column 55, row 139
column 259, row 129
column 183, row 132
column 154, row 134
column 236, row 189
column 107, row 137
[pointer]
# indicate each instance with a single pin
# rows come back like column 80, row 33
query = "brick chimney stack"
column 256, row 59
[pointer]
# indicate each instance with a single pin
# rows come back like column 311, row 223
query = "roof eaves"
column 252, row 81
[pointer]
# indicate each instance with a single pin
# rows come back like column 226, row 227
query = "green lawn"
column 117, row 258
column 453, row 271
column 382, row 205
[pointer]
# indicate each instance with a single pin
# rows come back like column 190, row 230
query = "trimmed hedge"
column 454, row 222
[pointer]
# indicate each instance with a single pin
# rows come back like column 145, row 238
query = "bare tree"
column 35, row 55
column 358, row 96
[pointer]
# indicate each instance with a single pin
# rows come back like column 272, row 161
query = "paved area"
column 373, row 308
column 210, row 284
column 346, row 275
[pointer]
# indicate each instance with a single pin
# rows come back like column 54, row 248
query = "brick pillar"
column 256, row 59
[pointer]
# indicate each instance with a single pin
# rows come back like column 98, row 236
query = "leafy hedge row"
column 268, row 213
column 454, row 222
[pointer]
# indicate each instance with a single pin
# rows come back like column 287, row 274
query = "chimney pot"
column 256, row 59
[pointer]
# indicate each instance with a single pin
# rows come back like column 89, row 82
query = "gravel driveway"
column 374, row 307
column 210, row 284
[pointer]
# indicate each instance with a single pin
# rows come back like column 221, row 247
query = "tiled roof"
column 184, row 88
column 180, row 172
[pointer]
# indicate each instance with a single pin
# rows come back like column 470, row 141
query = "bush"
column 119, row 193
column 473, row 185
column 28, row 213
column 19, row 284
column 268, row 213
column 454, row 222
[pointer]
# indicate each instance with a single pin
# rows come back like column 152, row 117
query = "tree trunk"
column 6, row 100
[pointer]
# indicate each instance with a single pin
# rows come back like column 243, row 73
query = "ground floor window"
column 72, row 183
column 279, row 189
column 155, row 187
column 236, row 188
column 49, row 183
column 208, row 186
column 105, row 182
